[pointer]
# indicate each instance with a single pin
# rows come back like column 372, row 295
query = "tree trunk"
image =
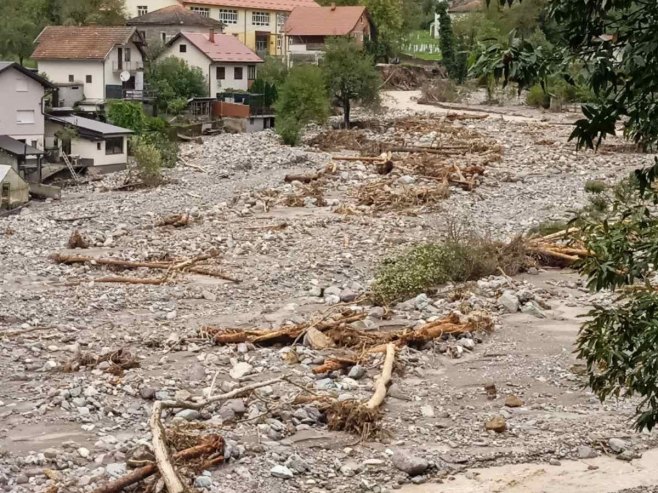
column 346, row 113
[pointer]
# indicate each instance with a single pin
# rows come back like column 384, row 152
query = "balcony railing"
column 139, row 95
column 126, row 66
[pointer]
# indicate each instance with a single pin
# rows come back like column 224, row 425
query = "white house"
column 105, row 60
column 22, row 94
column 98, row 146
column 224, row 60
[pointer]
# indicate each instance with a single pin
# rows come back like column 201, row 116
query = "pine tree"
column 446, row 38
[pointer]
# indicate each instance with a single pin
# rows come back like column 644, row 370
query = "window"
column 25, row 117
column 251, row 72
column 182, row 48
column 204, row 11
column 281, row 20
column 278, row 42
column 21, row 85
column 163, row 37
column 88, row 79
column 114, row 146
column 221, row 73
column 261, row 44
column 35, row 143
column 99, row 146
column 142, row 9
column 126, row 55
column 237, row 73
column 71, row 78
column 228, row 16
column 260, row 18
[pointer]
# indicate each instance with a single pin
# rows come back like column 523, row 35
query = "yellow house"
column 257, row 23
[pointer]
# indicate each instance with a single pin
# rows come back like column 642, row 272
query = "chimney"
column 333, row 6
column 211, row 35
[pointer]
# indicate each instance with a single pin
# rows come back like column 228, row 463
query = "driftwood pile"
column 196, row 265
column 118, row 360
column 560, row 249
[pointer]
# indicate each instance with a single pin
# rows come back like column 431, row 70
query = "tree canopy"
column 350, row 75
column 174, row 81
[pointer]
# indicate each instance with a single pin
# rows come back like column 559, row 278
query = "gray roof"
column 174, row 15
column 87, row 126
column 13, row 146
column 31, row 74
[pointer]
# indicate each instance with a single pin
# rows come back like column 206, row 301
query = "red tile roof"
column 226, row 48
column 80, row 43
column 278, row 5
column 323, row 21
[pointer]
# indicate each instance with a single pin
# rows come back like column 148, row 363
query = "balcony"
column 126, row 66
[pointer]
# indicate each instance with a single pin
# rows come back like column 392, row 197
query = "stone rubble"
column 83, row 426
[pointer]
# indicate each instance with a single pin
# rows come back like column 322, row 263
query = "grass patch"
column 429, row 265
column 595, row 186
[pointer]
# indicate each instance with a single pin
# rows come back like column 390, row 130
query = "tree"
column 173, row 79
column 127, row 114
column 85, row 12
column 388, row 17
column 616, row 40
column 19, row 24
column 302, row 99
column 350, row 75
column 446, row 37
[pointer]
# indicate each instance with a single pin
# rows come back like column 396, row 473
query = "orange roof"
column 278, row 5
column 226, row 48
column 323, row 21
column 80, row 43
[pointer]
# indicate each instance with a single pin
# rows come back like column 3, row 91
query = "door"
column 4, row 196
column 120, row 60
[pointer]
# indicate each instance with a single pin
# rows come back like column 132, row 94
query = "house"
column 225, row 61
column 257, row 23
column 23, row 158
column 22, row 96
column 105, row 60
column 307, row 28
column 161, row 25
column 92, row 144
column 14, row 191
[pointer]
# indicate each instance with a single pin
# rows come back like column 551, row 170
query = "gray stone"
column 315, row 291
column 617, row 445
column 421, row 301
column 207, row 295
column 83, row 452
column 236, row 405
column 241, row 370
column 585, row 452
column 332, row 299
column 466, row 343
column 376, row 312
column 531, row 308
column 427, row 411
column 350, row 469
column 324, row 384
column 115, row 469
column 332, row 291
column 203, row 482
column 197, row 373
column 357, row 372
column 347, row 296
column 189, row 414
column 296, row 464
column 509, row 301
column 411, row 464
column 281, row 472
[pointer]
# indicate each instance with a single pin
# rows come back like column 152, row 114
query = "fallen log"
column 333, row 364
column 303, row 178
column 212, row 444
column 133, row 280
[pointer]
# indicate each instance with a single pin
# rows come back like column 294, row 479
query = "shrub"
column 439, row 90
column 595, row 186
column 429, row 265
column 127, row 114
column 537, row 97
column 290, row 130
column 149, row 163
column 167, row 148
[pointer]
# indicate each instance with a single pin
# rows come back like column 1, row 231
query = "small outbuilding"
column 14, row 191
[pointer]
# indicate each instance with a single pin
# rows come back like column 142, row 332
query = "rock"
column 617, row 445
column 281, row 472
column 509, row 301
column 296, row 464
column 203, row 482
column 324, row 384
column 332, row 299
column 83, row 452
column 554, row 462
column 421, row 301
column 189, row 414
column 466, row 343
column 411, row 464
column 350, row 469
column 207, row 295
column 357, row 372
column 427, row 411
column 531, row 308
column 628, row 455
column 406, row 180
column 376, row 312
column 347, row 296
column 315, row 291
column 317, row 340
column 147, row 393
column 115, row 469
column 497, row 424
column 241, row 370
column 332, row 291
column 236, row 405
column 585, row 452
column 513, row 401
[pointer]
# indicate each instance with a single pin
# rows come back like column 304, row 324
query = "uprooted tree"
column 616, row 40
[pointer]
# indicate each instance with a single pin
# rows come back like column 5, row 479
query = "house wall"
column 113, row 74
column 194, row 57
column 153, row 34
column 19, row 190
column 88, row 149
column 58, row 71
column 13, row 100
column 131, row 5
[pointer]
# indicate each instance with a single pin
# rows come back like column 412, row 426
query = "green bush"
column 168, row 148
column 537, row 97
column 289, row 129
column 429, row 265
column 595, row 186
column 149, row 162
